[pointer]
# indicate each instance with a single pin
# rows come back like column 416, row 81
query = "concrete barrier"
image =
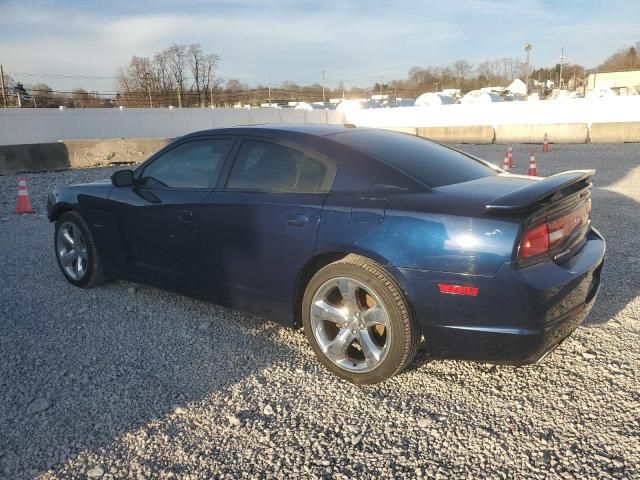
column 95, row 153
column 618, row 132
column 36, row 157
column 556, row 133
column 477, row 134
column 40, row 157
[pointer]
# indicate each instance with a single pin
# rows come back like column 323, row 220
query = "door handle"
column 185, row 216
column 297, row 220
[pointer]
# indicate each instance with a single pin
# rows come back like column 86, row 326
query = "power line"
column 60, row 75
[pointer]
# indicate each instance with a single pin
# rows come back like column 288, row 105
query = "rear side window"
column 266, row 166
column 195, row 164
column 427, row 162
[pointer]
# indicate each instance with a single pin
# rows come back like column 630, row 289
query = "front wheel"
column 358, row 321
column 76, row 251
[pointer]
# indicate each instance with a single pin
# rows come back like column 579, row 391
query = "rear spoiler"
column 541, row 191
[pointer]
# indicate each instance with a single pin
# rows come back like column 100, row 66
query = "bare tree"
column 43, row 95
column 80, row 98
column 627, row 58
column 462, row 68
column 178, row 75
column 177, row 62
column 233, row 84
column 203, row 70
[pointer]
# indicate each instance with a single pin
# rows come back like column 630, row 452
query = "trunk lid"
column 559, row 205
column 557, row 212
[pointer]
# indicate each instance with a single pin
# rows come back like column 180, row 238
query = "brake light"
column 563, row 227
column 535, row 241
column 544, row 237
column 458, row 289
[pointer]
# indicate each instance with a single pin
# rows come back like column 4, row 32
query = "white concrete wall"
column 23, row 126
column 18, row 126
column 588, row 111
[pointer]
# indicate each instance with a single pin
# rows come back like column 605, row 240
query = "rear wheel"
column 76, row 251
column 358, row 321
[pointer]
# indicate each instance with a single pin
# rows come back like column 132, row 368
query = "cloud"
column 358, row 42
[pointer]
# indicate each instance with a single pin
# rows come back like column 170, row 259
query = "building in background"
column 624, row 83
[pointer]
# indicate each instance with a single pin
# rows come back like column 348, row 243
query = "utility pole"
column 211, row 101
column 146, row 80
column 35, row 105
column 179, row 95
column 323, row 97
column 19, row 98
column 4, row 94
column 562, row 57
column 527, row 48
column 269, row 90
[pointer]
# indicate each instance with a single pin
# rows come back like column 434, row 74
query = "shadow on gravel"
column 80, row 369
column 617, row 217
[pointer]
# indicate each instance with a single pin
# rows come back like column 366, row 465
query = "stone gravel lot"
column 128, row 381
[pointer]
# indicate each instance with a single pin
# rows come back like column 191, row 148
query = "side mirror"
column 122, row 178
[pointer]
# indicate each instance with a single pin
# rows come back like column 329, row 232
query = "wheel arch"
column 322, row 259
column 308, row 270
column 60, row 208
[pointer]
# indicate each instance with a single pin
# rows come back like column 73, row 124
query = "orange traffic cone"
column 545, row 144
column 510, row 155
column 533, row 169
column 505, row 163
column 23, row 205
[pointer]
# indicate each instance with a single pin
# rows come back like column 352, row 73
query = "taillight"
column 544, row 237
column 535, row 241
column 563, row 227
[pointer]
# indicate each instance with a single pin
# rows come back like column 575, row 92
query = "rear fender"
column 420, row 239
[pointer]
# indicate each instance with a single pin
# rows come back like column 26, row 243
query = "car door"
column 259, row 227
column 158, row 216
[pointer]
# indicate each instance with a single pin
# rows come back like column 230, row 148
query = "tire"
column 79, row 246
column 358, row 322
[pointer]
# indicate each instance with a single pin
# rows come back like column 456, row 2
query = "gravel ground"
column 128, row 381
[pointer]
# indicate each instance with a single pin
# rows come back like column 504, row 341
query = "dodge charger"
column 374, row 242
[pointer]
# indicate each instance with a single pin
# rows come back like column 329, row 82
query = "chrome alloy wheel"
column 350, row 324
column 72, row 251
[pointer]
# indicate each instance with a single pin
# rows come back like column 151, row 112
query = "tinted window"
column 195, row 164
column 272, row 167
column 430, row 163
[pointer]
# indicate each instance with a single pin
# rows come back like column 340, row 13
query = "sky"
column 357, row 42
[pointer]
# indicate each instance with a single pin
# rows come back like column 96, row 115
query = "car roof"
column 318, row 130
column 359, row 171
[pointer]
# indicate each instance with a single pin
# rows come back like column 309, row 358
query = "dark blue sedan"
column 373, row 241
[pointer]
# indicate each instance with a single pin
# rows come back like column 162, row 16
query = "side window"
column 272, row 167
column 195, row 164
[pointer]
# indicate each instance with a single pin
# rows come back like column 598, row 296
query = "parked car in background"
column 372, row 241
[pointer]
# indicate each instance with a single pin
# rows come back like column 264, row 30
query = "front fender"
column 81, row 197
column 57, row 205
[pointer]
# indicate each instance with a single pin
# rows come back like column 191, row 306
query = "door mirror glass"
column 122, row 178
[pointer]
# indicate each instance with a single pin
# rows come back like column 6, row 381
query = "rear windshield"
column 427, row 162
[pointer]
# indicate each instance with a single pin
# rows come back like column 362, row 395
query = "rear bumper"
column 518, row 315
column 512, row 346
